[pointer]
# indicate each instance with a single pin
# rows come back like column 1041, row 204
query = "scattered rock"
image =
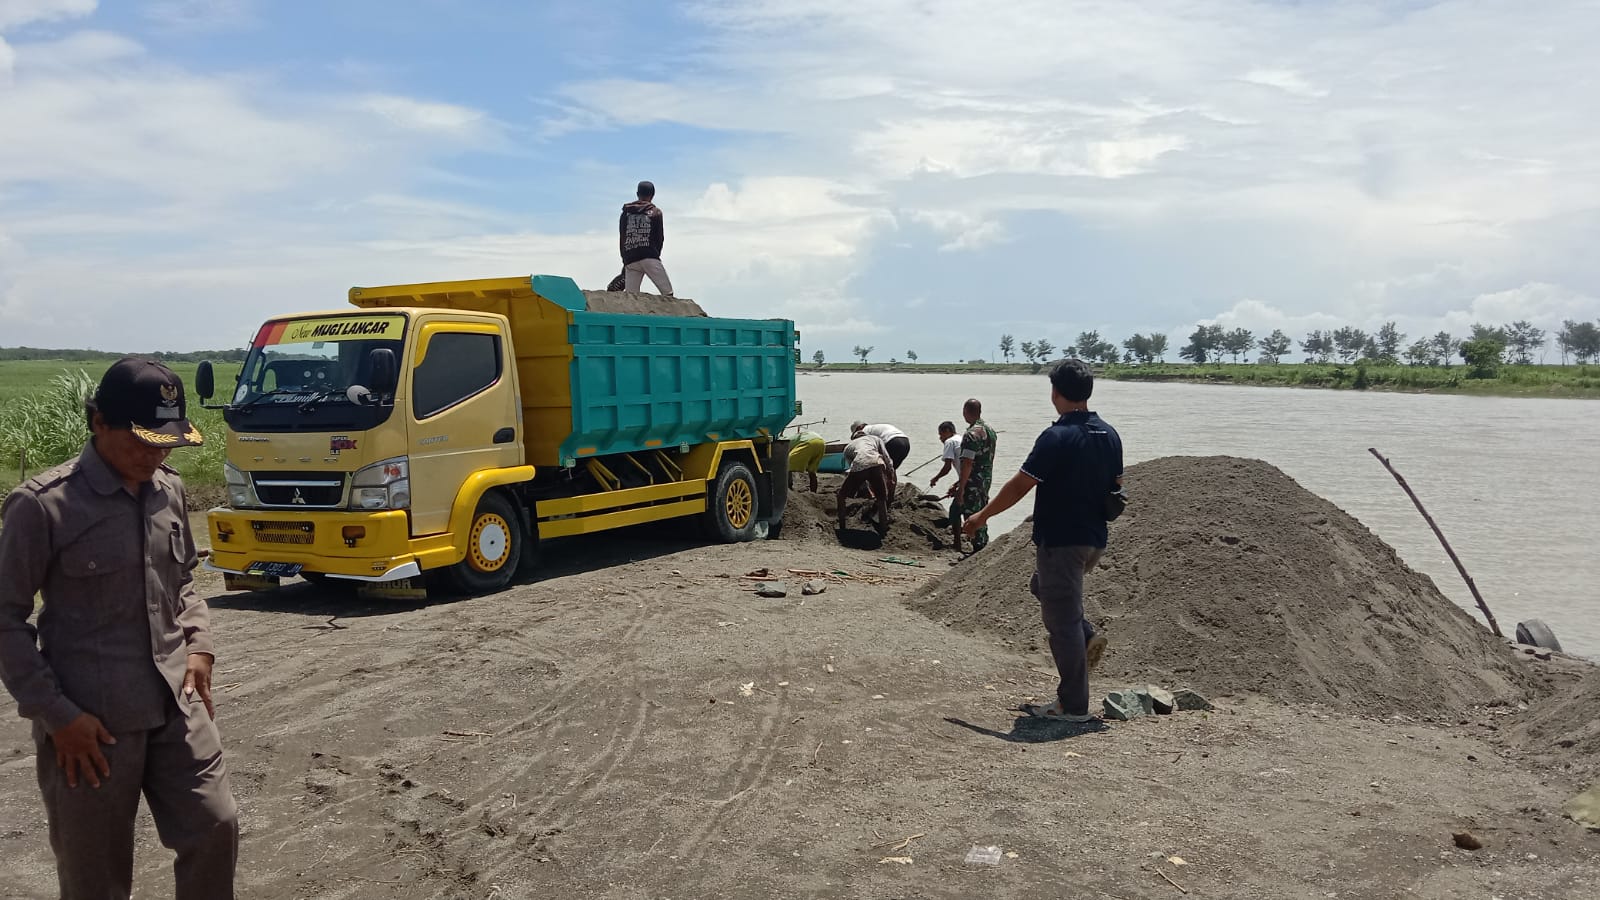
column 814, row 586
column 1147, row 703
column 772, row 589
column 1191, row 701
column 1466, row 840
column 1585, row 808
column 1123, row 705
column 1162, row 700
column 1543, row 655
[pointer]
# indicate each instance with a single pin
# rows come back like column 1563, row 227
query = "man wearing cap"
column 116, row 676
column 641, row 235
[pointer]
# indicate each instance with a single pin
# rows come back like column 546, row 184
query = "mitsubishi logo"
column 297, row 498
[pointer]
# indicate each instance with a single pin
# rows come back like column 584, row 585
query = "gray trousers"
column 1058, row 584
column 179, row 769
column 633, row 275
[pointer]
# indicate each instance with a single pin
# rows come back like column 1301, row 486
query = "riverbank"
column 636, row 721
column 1576, row 382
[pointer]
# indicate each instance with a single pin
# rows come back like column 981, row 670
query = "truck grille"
column 284, row 532
column 300, row 489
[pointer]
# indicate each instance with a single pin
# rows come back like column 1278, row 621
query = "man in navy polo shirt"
column 1075, row 463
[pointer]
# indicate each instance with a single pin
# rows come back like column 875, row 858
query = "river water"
column 1513, row 483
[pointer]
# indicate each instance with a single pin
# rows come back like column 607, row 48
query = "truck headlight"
column 382, row 485
column 240, row 494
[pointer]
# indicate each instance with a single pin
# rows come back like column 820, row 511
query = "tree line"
column 1487, row 346
column 19, row 354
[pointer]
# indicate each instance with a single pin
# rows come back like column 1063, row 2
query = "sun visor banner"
column 343, row 328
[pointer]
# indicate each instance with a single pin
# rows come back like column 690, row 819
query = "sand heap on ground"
column 1563, row 729
column 1227, row 576
column 915, row 528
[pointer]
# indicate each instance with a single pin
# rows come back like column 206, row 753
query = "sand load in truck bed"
column 1226, row 575
column 638, row 304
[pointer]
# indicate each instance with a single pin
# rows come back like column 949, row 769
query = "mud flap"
column 775, row 488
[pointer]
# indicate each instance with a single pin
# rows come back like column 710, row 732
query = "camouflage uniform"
column 977, row 444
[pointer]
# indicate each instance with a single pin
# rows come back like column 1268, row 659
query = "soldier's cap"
column 146, row 396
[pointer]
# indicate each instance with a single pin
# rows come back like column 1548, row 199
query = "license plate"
column 273, row 569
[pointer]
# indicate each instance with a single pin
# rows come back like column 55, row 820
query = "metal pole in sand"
column 1471, row 586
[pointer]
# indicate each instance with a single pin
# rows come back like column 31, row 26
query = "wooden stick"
column 1171, row 882
column 1471, row 585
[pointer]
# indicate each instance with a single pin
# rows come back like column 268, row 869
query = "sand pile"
column 1227, row 576
column 915, row 530
column 1563, row 729
column 642, row 304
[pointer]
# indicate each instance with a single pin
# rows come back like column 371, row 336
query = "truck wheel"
column 494, row 547
column 731, row 506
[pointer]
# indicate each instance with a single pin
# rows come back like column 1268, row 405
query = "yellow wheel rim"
column 490, row 544
column 740, row 503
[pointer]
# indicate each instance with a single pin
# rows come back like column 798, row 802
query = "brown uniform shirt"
column 120, row 615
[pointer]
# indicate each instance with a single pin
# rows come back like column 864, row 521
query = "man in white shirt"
column 951, row 452
column 899, row 445
column 868, row 459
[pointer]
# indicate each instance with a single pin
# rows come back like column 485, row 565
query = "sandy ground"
column 636, row 723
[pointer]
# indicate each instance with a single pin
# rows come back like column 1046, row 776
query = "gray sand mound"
column 914, row 530
column 641, row 304
column 1563, row 729
column 1227, row 576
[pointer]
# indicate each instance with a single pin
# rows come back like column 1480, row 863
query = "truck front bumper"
column 357, row 546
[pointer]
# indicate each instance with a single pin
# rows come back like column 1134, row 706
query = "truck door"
column 463, row 414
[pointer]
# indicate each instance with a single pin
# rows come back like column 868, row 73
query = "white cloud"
column 27, row 12
column 199, row 15
column 1285, row 80
column 418, row 115
column 964, row 232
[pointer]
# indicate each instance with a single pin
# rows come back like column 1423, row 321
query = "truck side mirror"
column 205, row 381
column 385, row 371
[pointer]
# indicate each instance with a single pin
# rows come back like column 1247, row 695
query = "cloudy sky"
column 910, row 174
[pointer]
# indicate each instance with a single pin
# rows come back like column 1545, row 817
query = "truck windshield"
column 296, row 367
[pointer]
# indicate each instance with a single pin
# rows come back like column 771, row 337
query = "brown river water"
column 1513, row 483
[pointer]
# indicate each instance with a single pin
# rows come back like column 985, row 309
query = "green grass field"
column 31, row 416
column 1510, row 381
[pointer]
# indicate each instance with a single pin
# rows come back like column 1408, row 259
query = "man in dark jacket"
column 640, row 236
column 1074, row 464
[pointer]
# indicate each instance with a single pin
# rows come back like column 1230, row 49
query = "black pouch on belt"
column 1116, row 502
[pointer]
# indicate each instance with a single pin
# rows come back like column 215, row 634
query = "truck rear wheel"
column 731, row 505
column 494, row 547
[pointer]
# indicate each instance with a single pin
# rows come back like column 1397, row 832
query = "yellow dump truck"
column 451, row 427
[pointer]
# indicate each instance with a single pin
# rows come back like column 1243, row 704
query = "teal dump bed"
column 647, row 382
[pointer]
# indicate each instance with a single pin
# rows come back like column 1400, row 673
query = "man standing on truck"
column 1075, row 464
column 117, row 675
column 640, row 235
